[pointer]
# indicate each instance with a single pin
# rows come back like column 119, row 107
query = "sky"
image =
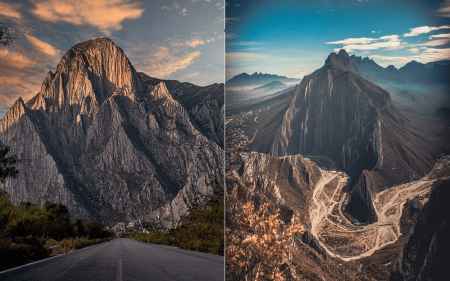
column 294, row 38
column 182, row 40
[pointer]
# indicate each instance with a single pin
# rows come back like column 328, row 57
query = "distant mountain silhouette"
column 244, row 79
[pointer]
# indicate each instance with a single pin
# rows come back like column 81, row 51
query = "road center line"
column 72, row 266
column 119, row 271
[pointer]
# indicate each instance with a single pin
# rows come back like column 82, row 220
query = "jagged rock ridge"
column 113, row 148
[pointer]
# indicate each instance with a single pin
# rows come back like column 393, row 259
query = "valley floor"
column 348, row 240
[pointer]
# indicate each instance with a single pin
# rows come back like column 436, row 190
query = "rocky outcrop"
column 99, row 139
column 362, row 197
column 285, row 182
column 205, row 105
column 337, row 114
column 424, row 255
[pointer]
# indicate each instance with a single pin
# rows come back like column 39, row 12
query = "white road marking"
column 181, row 254
column 72, row 266
column 119, row 271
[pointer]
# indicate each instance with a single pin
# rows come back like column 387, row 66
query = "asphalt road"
column 123, row 259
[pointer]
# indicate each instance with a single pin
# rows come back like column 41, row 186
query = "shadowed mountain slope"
column 115, row 145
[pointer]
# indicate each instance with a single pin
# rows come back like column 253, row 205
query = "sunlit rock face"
column 115, row 145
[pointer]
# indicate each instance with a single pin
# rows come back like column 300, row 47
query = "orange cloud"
column 42, row 46
column 161, row 61
column 9, row 11
column 14, row 59
column 106, row 15
column 194, row 42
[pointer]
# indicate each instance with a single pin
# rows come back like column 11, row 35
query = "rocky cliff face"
column 285, row 182
column 361, row 205
column 113, row 148
column 338, row 114
column 424, row 256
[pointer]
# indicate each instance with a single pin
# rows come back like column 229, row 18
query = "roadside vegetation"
column 28, row 232
column 202, row 231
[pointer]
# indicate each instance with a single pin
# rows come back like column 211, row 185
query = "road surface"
column 123, row 259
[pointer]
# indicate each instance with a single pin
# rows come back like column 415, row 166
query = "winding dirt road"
column 341, row 238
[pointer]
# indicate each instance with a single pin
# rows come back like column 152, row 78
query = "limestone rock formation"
column 113, row 147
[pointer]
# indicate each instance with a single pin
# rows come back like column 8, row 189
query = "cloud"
column 362, row 40
column 10, row 10
column 424, row 29
column 14, row 59
column 232, row 20
column 239, row 57
column 194, row 42
column 192, row 74
column 230, row 35
column 423, row 55
column 440, row 36
column 184, row 12
column 42, row 46
column 364, row 44
column 211, row 40
column 106, row 15
column 438, row 42
column 162, row 61
column 21, row 74
column 193, row 1
column 445, row 10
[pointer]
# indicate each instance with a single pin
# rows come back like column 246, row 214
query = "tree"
column 7, row 36
column 7, row 163
column 256, row 247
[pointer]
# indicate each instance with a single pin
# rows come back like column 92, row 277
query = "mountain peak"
column 343, row 53
column 97, row 69
column 13, row 115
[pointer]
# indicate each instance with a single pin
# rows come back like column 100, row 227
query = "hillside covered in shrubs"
column 202, row 231
column 27, row 232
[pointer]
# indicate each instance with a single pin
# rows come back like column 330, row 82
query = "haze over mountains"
column 374, row 150
column 257, row 79
column 115, row 145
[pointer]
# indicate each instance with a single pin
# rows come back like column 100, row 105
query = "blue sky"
column 181, row 40
column 293, row 38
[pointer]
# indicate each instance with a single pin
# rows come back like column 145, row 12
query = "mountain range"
column 257, row 79
column 115, row 145
column 346, row 153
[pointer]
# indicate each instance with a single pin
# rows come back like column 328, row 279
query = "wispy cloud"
column 232, row 20
column 438, row 42
column 423, row 55
column 240, row 57
column 191, row 75
column 174, row 6
column 424, row 29
column 106, row 15
column 230, row 35
column 10, row 10
column 444, row 11
column 364, row 44
column 362, row 40
column 440, row 36
column 42, row 46
column 162, row 61
column 184, row 12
